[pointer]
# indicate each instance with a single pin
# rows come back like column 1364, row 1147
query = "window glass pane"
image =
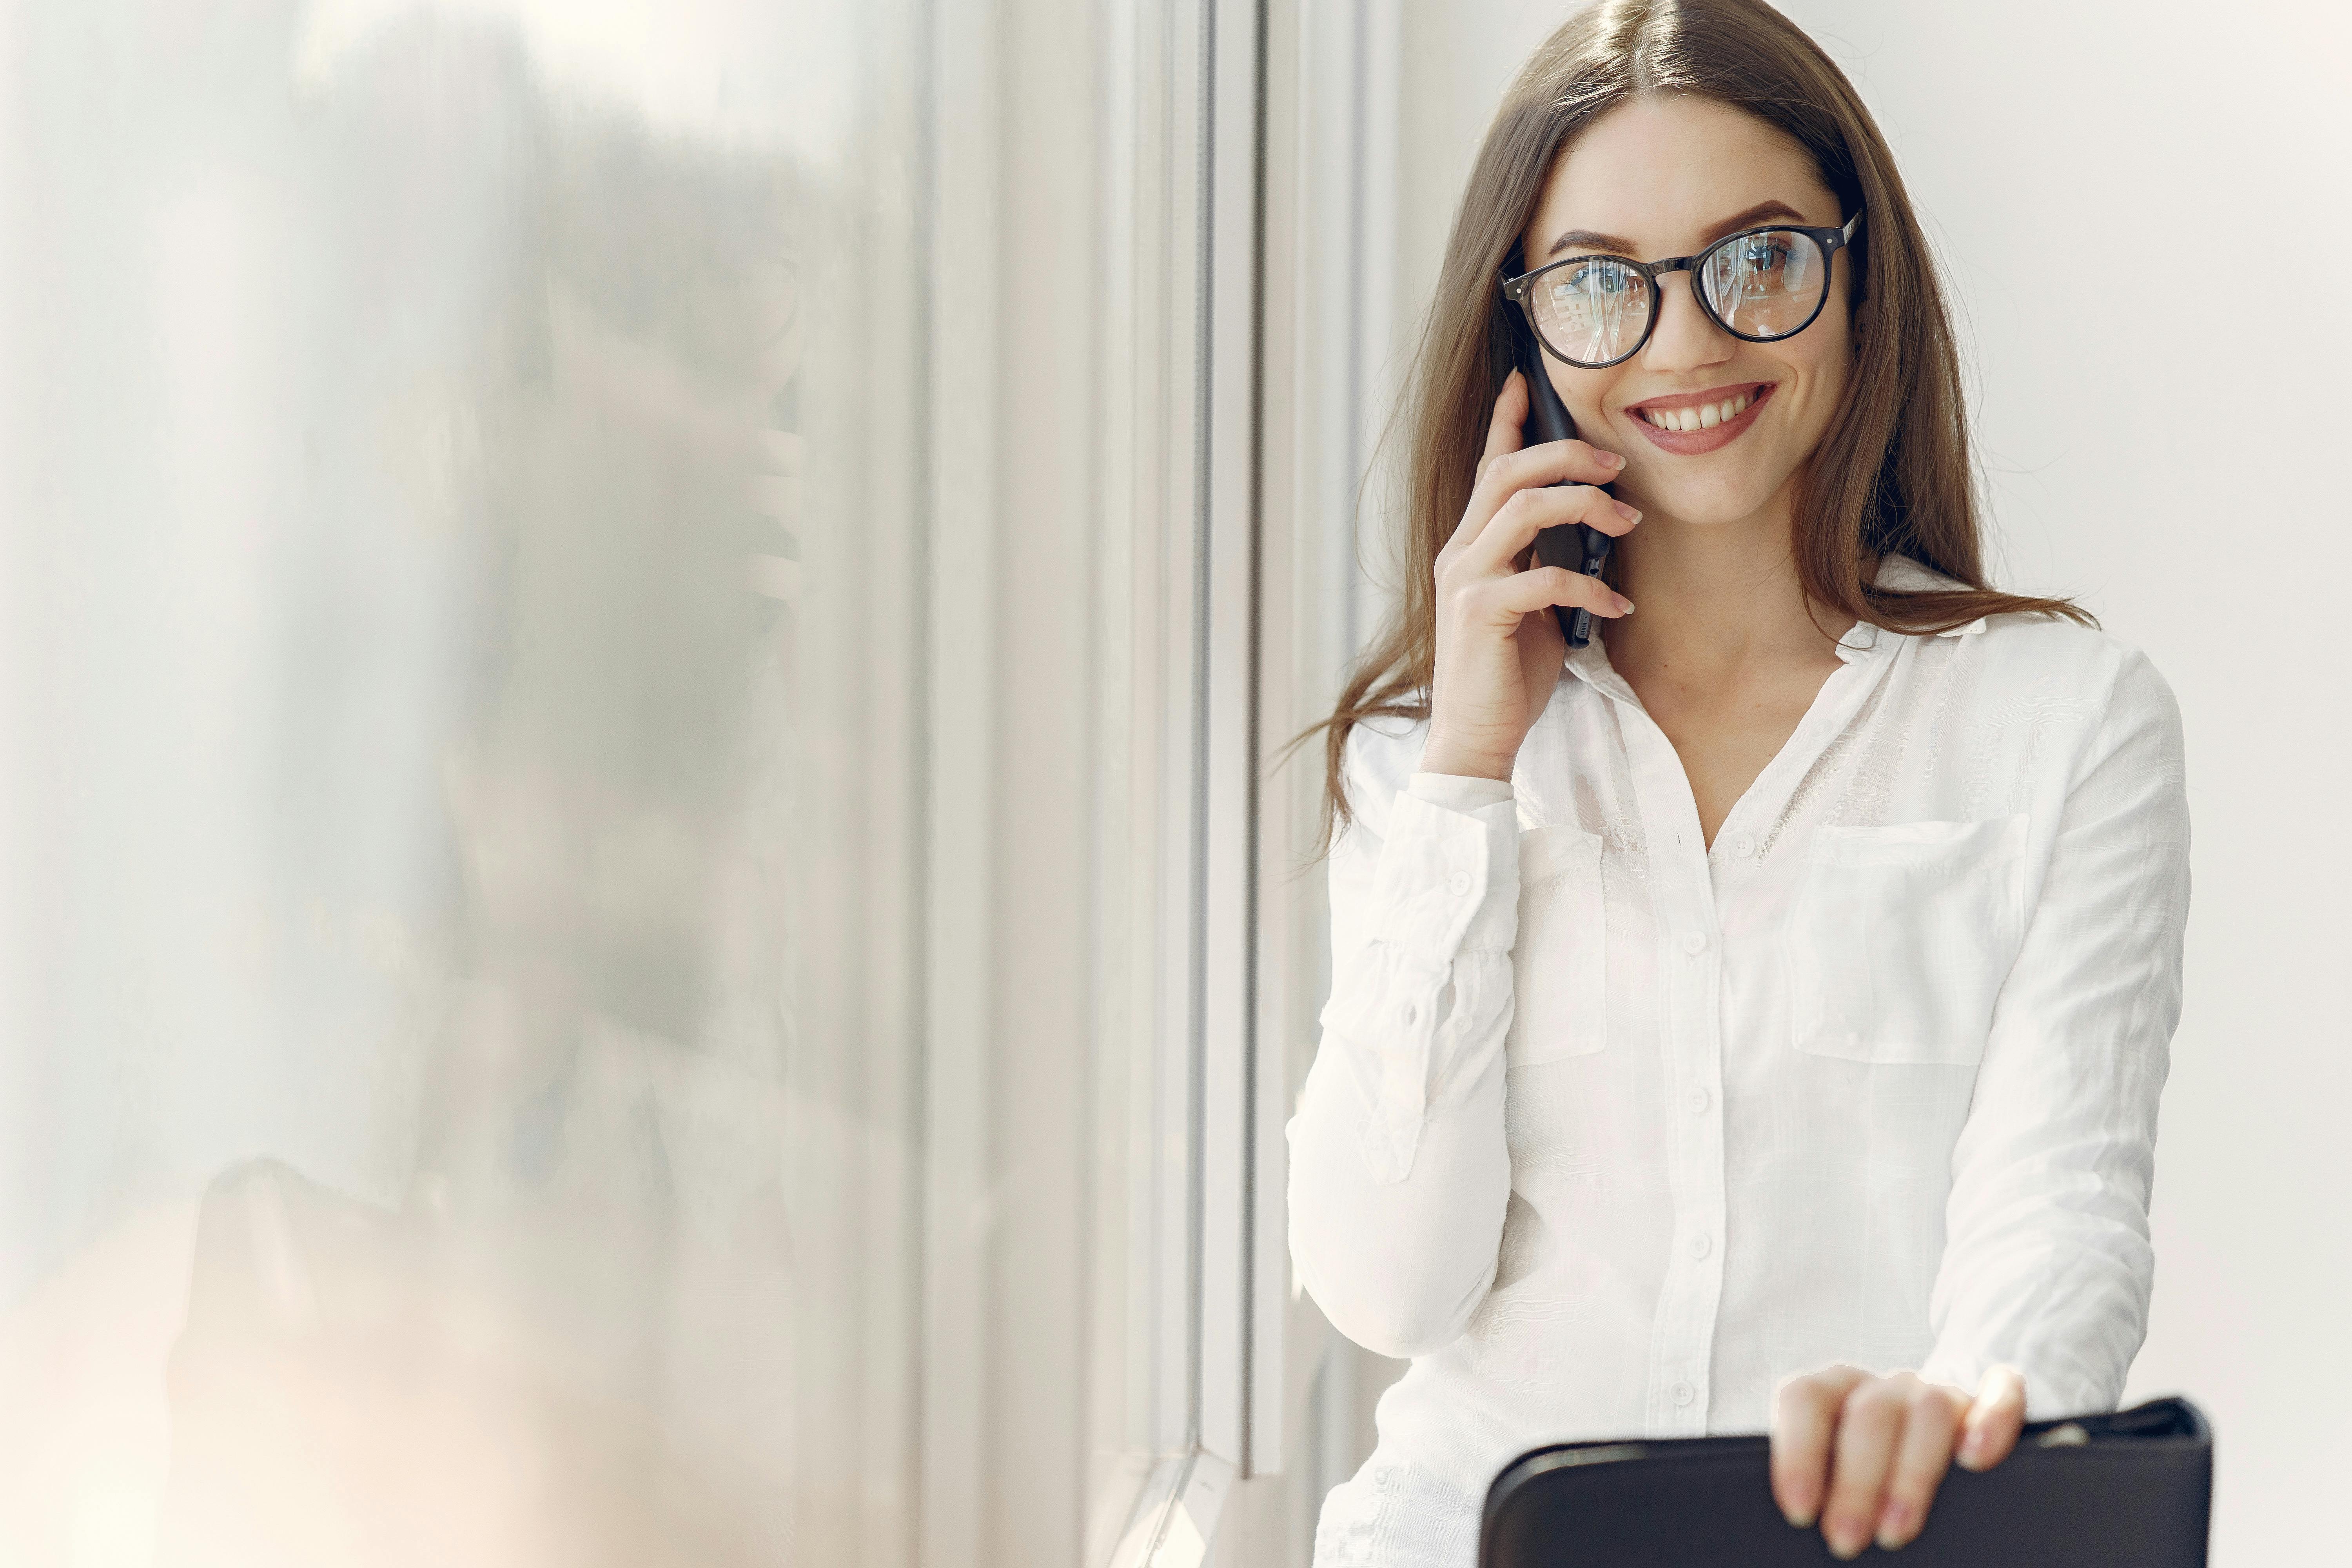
column 464, row 814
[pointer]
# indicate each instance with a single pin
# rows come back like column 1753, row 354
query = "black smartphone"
column 1576, row 545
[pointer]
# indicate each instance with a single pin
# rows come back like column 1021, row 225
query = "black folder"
column 2099, row 1491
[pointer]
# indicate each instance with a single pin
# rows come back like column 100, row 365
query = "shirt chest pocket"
column 1560, row 963
column 1900, row 939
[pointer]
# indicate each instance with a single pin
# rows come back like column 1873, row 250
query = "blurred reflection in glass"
column 461, row 829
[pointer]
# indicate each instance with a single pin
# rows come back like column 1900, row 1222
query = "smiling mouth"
column 1702, row 416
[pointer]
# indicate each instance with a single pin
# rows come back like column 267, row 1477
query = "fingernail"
column 1893, row 1526
column 1847, row 1543
column 1630, row 514
column 1613, row 459
column 1801, row 1517
column 1624, row 604
column 1972, row 1448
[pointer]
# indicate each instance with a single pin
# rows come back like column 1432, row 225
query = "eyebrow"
column 1737, row 221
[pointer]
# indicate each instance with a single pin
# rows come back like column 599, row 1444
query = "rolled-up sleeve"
column 1399, row 1170
column 2047, row 1264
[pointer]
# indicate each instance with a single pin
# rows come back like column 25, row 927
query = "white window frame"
column 1223, row 433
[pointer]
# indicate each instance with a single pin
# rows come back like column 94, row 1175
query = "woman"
column 1755, row 1018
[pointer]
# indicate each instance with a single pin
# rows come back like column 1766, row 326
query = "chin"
column 1711, row 505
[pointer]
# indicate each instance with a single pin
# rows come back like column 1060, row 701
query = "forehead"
column 1663, row 172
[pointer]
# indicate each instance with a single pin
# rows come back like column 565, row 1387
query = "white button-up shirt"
column 1610, row 1131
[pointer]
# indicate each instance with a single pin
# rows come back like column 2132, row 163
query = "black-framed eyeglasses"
column 1759, row 285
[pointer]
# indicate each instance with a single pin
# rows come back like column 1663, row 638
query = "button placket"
column 1684, row 893
column 1695, row 910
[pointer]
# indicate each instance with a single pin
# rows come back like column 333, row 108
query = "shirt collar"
column 1861, row 640
column 1590, row 662
column 1903, row 573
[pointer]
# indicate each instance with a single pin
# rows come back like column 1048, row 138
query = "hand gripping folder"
column 2098, row 1491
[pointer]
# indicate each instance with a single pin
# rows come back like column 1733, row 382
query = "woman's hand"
column 1498, row 644
column 1892, row 1437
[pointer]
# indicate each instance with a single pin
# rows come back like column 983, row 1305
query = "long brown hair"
column 1892, row 474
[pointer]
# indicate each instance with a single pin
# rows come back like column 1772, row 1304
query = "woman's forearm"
column 1398, row 1266
column 2047, row 1263
column 1399, row 1171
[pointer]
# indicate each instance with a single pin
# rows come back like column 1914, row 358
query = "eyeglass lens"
column 1762, row 285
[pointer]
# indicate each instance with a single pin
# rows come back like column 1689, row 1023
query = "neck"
column 1715, row 598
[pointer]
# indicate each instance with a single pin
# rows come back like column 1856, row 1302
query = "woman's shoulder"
column 2060, row 670
column 2036, row 657
column 2045, row 652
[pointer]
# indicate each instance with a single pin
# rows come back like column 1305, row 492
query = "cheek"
column 1826, row 363
column 1586, row 392
column 1820, row 380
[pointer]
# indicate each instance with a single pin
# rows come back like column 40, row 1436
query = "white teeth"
column 1705, row 416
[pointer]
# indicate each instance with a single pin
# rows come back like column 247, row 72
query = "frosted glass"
column 459, row 971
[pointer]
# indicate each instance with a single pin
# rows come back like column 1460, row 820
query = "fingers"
column 1511, row 417
column 1524, row 592
column 1503, row 438
column 1529, row 512
column 1931, row 1420
column 1551, row 463
column 1886, row 1444
column 1989, row 1429
column 1868, row 1427
column 1804, row 1418
column 1507, row 466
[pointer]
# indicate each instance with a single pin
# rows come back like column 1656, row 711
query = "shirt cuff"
column 1449, row 872
column 1458, row 792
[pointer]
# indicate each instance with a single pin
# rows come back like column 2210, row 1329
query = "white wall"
column 2161, row 440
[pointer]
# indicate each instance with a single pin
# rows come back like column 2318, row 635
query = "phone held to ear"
column 1573, row 545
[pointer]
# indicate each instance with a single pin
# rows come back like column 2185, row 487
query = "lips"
column 1731, row 410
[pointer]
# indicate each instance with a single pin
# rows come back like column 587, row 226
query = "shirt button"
column 1743, row 846
column 1695, row 943
column 1701, row 1245
column 1458, row 884
column 1684, row 1393
column 1700, row 1099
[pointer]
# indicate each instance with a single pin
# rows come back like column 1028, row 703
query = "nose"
column 1686, row 337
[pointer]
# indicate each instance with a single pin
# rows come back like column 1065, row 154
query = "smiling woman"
column 1892, row 474
column 1719, row 1008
